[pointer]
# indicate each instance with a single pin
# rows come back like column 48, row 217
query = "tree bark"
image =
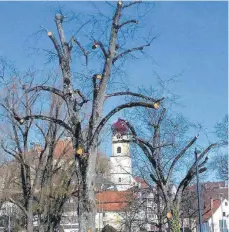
column 175, row 221
column 30, row 216
column 87, row 201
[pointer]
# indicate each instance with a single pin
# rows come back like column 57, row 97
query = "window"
column 119, row 179
column 104, row 214
column 224, row 214
column 118, row 149
column 226, row 204
column 223, row 225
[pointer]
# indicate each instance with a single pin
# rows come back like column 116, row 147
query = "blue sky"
column 192, row 42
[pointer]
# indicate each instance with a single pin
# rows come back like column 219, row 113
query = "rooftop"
column 211, row 208
column 120, row 127
column 112, row 201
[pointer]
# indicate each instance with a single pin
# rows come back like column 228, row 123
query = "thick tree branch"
column 178, row 156
column 154, row 178
column 130, row 127
column 56, row 45
column 203, row 163
column 59, row 19
column 45, row 118
column 46, row 88
column 144, row 145
column 119, row 108
column 100, row 92
column 191, row 173
column 125, row 93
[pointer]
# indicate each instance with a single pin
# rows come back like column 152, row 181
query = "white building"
column 216, row 215
column 132, row 197
column 120, row 160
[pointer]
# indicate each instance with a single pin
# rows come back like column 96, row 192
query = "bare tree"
column 221, row 158
column 40, row 182
column 164, row 154
column 140, row 210
column 131, row 215
column 85, row 135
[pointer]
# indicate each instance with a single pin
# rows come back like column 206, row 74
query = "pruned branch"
column 119, row 108
column 178, row 156
column 56, row 45
column 148, row 150
column 59, row 19
column 125, row 93
column 203, row 163
column 202, row 154
column 46, row 88
column 45, row 118
column 102, row 48
column 191, row 172
column 140, row 48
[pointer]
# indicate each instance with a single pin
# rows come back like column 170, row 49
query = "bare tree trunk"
column 87, row 203
column 86, row 213
column 175, row 221
column 30, row 216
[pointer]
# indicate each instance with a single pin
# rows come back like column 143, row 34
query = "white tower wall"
column 120, row 162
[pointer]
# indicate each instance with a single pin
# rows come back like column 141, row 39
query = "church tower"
column 120, row 161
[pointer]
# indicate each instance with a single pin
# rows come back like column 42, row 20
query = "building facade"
column 120, row 160
column 216, row 215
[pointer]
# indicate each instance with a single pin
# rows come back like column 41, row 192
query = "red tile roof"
column 113, row 201
column 211, row 208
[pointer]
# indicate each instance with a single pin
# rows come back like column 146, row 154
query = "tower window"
column 118, row 149
column 119, row 179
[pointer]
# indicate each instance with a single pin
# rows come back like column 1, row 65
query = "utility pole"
column 198, row 191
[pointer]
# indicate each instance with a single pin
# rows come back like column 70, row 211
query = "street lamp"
column 198, row 189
